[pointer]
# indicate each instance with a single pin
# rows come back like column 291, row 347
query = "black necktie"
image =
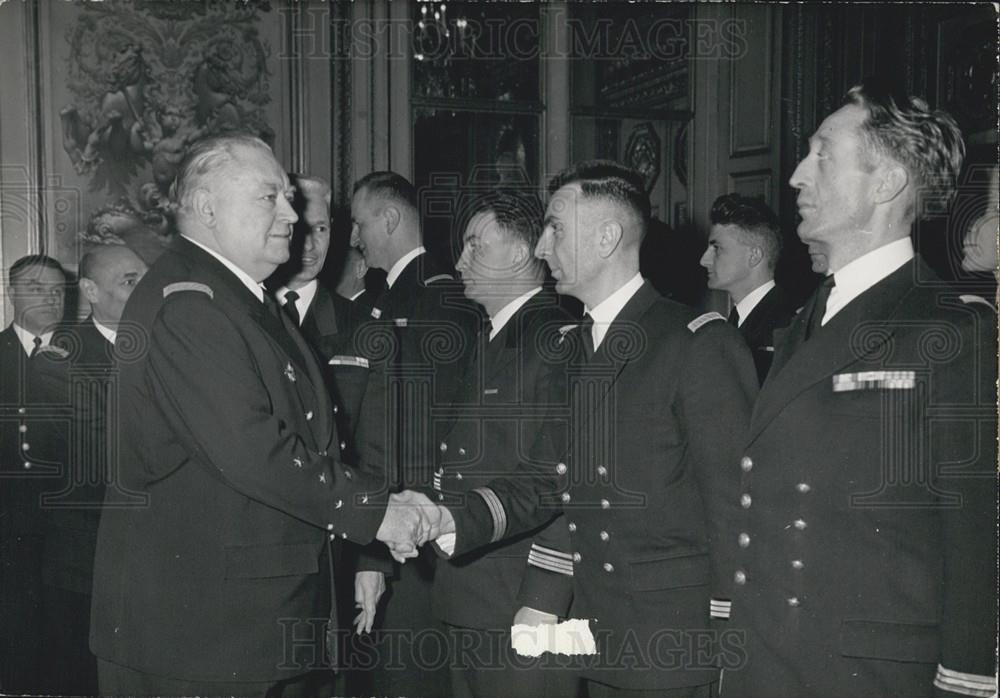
column 734, row 317
column 291, row 308
column 38, row 344
column 819, row 307
column 587, row 333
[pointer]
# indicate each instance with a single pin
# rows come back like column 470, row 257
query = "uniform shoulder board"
column 439, row 277
column 187, row 286
column 704, row 319
column 970, row 299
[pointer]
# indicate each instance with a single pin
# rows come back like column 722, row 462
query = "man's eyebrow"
column 549, row 219
column 468, row 236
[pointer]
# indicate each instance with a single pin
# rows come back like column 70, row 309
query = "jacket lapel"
column 800, row 364
column 621, row 333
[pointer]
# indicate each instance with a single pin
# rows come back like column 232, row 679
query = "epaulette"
column 704, row 319
column 971, row 299
column 188, row 286
column 439, row 277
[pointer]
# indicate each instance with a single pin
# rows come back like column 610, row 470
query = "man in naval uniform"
column 661, row 399
column 218, row 583
column 511, row 389
column 743, row 248
column 865, row 528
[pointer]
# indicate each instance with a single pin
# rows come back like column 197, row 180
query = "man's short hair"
column 33, row 260
column 607, row 179
column 927, row 142
column 388, row 186
column 758, row 224
column 203, row 159
column 88, row 262
column 518, row 212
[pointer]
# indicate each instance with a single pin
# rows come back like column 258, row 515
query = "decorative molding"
column 642, row 153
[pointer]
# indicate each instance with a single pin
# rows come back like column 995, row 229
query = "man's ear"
column 89, row 289
column 390, row 214
column 203, row 205
column 756, row 255
column 892, row 183
column 609, row 234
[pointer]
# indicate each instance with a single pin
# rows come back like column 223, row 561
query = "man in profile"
column 743, row 249
column 229, row 439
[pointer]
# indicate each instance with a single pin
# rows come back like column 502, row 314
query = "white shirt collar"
column 255, row 288
column 357, row 295
column 750, row 301
column 305, row 299
column 28, row 340
column 864, row 272
column 607, row 310
column 507, row 312
column 108, row 333
column 401, row 263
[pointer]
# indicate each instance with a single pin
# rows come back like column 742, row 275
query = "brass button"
column 25, row 446
column 309, row 415
column 799, row 524
column 803, row 487
column 602, row 471
column 740, row 577
column 343, row 445
column 461, row 451
column 21, row 410
column 797, row 564
column 565, row 496
column 793, row 601
column 745, row 501
column 440, row 497
column 339, row 503
column 608, row 567
column 577, row 557
column 746, row 463
column 571, row 526
column 329, row 527
column 27, row 465
column 443, row 447
column 561, row 468
column 604, row 535
column 605, row 504
column 336, row 409
column 458, row 476
column 23, row 428
column 744, row 540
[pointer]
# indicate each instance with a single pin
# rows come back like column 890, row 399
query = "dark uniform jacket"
column 864, row 546
column 73, row 506
column 33, row 427
column 229, row 439
column 658, row 412
column 775, row 310
column 510, row 390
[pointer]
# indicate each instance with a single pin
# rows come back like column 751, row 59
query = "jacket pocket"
column 900, row 642
column 264, row 561
column 674, row 572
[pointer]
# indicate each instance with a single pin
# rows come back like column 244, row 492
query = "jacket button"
column 571, row 526
column 565, row 496
column 25, row 446
column 745, row 501
column 458, row 476
column 309, row 415
column 602, row 471
column 608, row 567
column 27, row 465
column 604, row 536
column 343, row 445
column 744, row 540
column 21, row 410
column 605, row 504
column 23, row 428
column 348, row 475
column 336, row 505
column 336, row 409
column 577, row 557
column 329, row 527
column 794, row 602
column 799, row 524
column 461, row 451
column 443, row 447
column 740, row 577
column 797, row 564
column 803, row 487
column 440, row 497
column 561, row 468
column 323, row 453
column 746, row 463
column 333, row 536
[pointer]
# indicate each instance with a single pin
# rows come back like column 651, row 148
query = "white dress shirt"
column 864, row 272
column 401, row 263
column 108, row 333
column 607, row 310
column 752, row 300
column 28, row 340
column 507, row 312
column 305, row 299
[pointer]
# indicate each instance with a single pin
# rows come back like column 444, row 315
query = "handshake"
column 410, row 520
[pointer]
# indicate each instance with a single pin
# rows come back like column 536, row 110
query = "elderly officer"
column 219, row 582
column 866, row 548
column 743, row 249
column 660, row 402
